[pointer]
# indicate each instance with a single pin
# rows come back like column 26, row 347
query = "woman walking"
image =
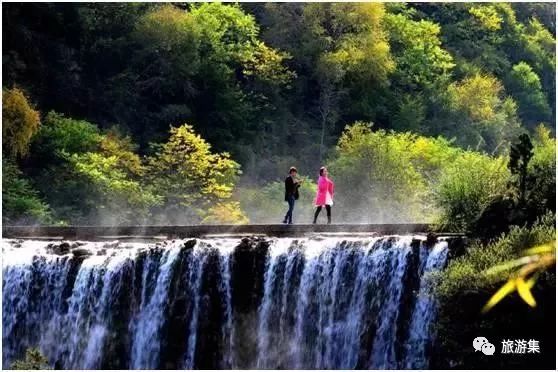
column 324, row 196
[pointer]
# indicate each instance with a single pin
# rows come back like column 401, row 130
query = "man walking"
column 291, row 193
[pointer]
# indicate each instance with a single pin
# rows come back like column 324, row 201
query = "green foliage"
column 19, row 122
column 357, row 43
column 205, row 65
column 467, row 284
column 392, row 177
column 487, row 120
column 541, row 173
column 467, row 186
column 487, row 16
column 376, row 180
column 34, row 359
column 275, row 84
column 114, row 178
column 531, row 188
column 520, row 155
column 266, row 204
column 469, row 272
column 411, row 114
column 60, row 136
column 419, row 56
column 20, row 202
column 188, row 176
column 67, row 191
column 525, row 85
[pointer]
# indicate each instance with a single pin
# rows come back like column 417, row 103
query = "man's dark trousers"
column 289, row 216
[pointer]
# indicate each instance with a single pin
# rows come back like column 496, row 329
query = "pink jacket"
column 324, row 196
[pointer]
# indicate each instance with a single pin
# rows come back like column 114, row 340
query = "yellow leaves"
column 488, row 16
column 19, row 122
column 185, row 170
column 524, row 291
column 225, row 213
column 505, row 290
column 538, row 259
column 544, row 248
column 478, row 96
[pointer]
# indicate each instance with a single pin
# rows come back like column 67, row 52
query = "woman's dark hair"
column 292, row 169
column 322, row 169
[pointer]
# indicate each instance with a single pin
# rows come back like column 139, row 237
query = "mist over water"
column 223, row 303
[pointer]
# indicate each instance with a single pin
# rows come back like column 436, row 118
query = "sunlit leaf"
column 511, row 264
column 531, row 281
column 544, row 248
column 506, row 289
column 525, row 292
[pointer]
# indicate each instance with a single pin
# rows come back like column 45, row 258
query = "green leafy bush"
column 467, row 186
column 466, row 273
column 465, row 286
column 21, row 203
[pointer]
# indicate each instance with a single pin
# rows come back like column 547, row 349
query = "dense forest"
column 155, row 113
column 193, row 113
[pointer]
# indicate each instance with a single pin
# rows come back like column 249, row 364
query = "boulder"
column 59, row 249
column 81, row 252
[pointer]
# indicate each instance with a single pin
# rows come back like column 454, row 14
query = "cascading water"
column 323, row 302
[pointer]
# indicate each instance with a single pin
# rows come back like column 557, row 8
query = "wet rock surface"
column 59, row 249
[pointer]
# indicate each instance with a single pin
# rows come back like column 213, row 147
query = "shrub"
column 467, row 272
column 465, row 286
column 33, row 360
column 374, row 176
column 20, row 202
column 467, row 186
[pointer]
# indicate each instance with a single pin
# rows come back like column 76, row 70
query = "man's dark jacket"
column 291, row 188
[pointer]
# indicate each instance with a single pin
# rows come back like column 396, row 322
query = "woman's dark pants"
column 319, row 209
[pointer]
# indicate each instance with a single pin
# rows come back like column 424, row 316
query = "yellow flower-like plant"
column 535, row 261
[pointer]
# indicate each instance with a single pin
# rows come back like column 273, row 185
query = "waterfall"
column 312, row 303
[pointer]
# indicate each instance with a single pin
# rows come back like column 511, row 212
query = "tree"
column 20, row 121
column 205, row 65
column 419, row 56
column 60, row 136
column 525, row 86
column 114, row 174
column 21, row 203
column 375, row 177
column 467, row 186
column 521, row 153
column 189, row 177
column 52, row 170
column 488, row 119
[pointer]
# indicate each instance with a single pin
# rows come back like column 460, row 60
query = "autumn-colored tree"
column 189, row 177
column 20, row 121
